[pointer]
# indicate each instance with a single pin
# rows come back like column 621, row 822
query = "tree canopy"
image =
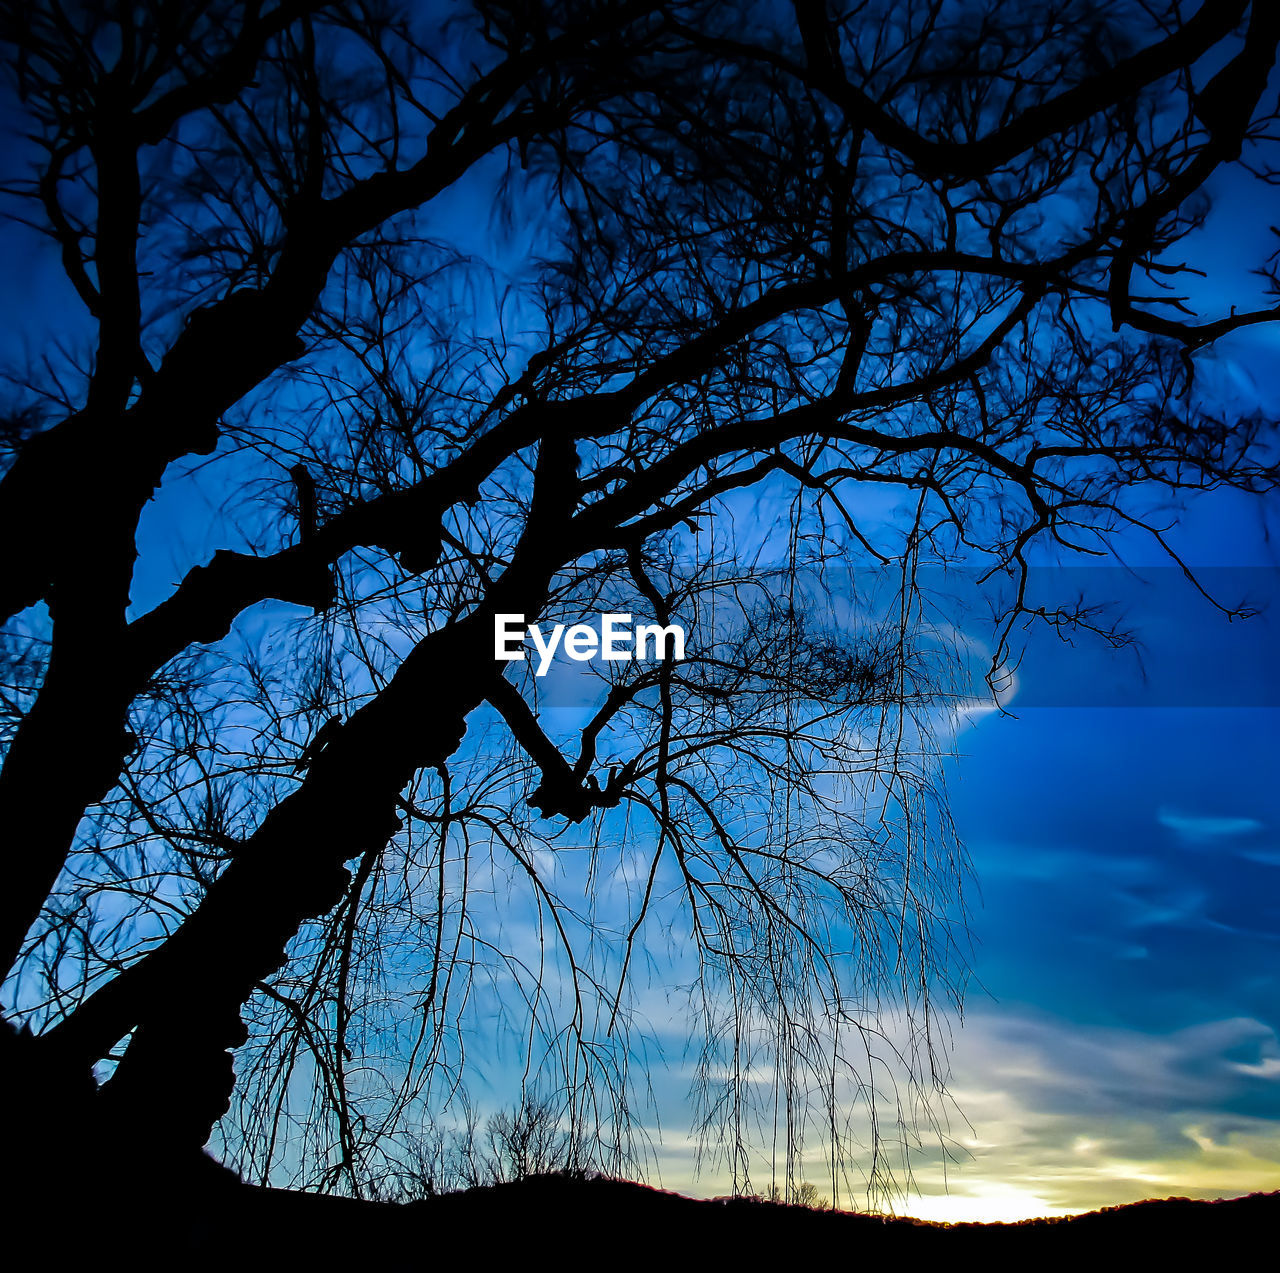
column 383, row 320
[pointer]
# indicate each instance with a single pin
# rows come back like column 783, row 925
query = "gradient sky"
column 1122, row 1036
column 1127, row 1044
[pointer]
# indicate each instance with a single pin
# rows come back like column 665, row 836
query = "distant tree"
column 529, row 1140
column 436, row 312
column 803, row 1194
column 516, row 1143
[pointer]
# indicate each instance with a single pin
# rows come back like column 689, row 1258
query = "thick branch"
column 1214, row 21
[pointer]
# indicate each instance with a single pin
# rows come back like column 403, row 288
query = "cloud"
column 1053, row 1117
column 1060, row 1067
column 1067, row 1118
column 1194, row 830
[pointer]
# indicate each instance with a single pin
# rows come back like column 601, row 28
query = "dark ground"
column 559, row 1222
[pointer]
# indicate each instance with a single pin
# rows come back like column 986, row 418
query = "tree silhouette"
column 445, row 312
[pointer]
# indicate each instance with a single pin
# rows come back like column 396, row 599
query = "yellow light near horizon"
column 985, row 1202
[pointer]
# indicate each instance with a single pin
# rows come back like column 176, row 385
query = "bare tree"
column 770, row 291
column 805, row 1194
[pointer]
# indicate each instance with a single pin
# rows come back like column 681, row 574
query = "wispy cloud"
column 1194, row 830
column 1066, row 1118
column 1055, row 1118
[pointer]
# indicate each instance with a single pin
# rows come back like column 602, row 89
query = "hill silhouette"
column 615, row 1223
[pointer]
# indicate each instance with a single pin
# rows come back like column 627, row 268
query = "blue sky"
column 1125, row 1040
column 1128, row 946
column 1121, row 1037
